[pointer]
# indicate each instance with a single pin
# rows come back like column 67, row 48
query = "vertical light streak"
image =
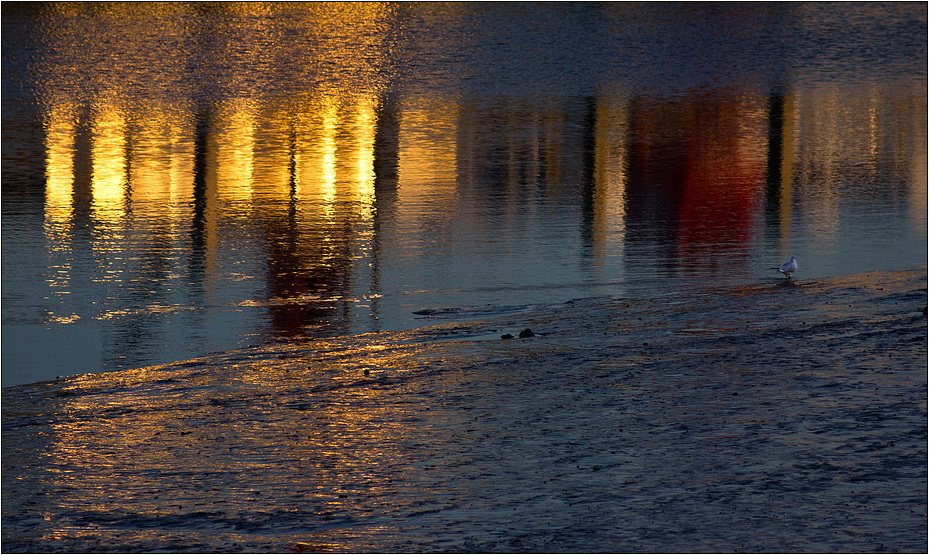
column 364, row 132
column 428, row 163
column 317, row 129
column 61, row 127
column 108, row 166
column 363, row 127
column 59, row 164
column 328, row 149
column 822, row 142
column 610, row 176
column 235, row 151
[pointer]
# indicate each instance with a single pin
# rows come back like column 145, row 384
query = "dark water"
column 773, row 418
column 180, row 179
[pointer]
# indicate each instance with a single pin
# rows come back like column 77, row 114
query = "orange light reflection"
column 610, row 175
column 108, row 165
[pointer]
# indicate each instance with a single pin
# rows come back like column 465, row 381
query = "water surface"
column 180, row 179
column 766, row 418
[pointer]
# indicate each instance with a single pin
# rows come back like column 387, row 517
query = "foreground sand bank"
column 777, row 417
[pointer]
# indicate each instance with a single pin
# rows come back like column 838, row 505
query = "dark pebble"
column 526, row 333
column 506, row 336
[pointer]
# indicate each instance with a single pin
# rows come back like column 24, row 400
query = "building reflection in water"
column 855, row 148
column 610, row 178
column 274, row 208
column 317, row 206
column 320, row 227
column 724, row 172
column 191, row 215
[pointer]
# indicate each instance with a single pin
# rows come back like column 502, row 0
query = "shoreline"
column 455, row 323
column 780, row 416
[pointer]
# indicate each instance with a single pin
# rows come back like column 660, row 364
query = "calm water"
column 181, row 179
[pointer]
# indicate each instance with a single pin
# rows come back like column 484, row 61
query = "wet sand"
column 778, row 417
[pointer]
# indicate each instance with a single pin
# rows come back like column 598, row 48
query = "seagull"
column 789, row 267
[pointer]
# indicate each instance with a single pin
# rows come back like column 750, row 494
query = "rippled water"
column 780, row 417
column 187, row 178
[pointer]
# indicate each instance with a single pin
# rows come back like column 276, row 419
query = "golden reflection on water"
column 233, row 141
column 161, row 167
column 108, row 160
column 839, row 146
column 142, row 173
column 333, row 157
column 303, row 196
column 364, row 125
column 327, row 159
column 309, row 166
column 298, row 178
column 59, row 164
column 610, row 176
column 428, row 163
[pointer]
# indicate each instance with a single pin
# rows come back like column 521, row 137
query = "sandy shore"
column 777, row 417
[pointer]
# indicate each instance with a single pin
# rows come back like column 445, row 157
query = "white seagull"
column 789, row 267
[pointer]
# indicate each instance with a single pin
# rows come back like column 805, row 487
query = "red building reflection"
column 699, row 167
